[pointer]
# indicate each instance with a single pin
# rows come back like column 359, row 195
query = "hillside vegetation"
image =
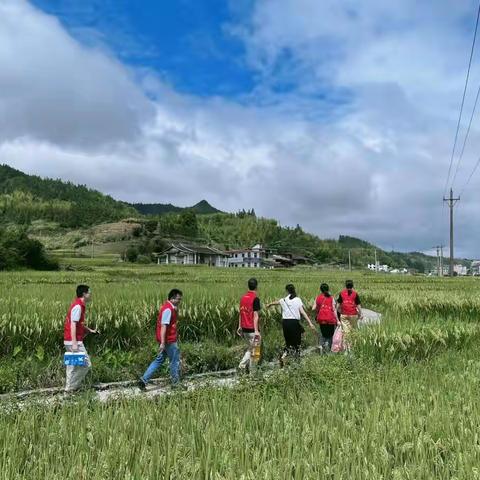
column 66, row 216
column 24, row 198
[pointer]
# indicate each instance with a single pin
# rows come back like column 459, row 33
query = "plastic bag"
column 337, row 340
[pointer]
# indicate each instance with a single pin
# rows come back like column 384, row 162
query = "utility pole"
column 438, row 261
column 451, row 203
column 376, row 262
column 349, row 261
column 441, row 260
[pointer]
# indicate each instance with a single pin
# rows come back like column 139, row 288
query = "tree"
column 188, row 223
column 131, row 254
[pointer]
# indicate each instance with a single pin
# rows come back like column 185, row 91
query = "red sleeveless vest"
column 246, row 310
column 349, row 307
column 171, row 333
column 325, row 313
column 80, row 333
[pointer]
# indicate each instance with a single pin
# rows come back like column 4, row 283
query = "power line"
column 466, row 137
column 470, row 176
column 463, row 101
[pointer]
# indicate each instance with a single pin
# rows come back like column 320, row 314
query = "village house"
column 258, row 257
column 186, row 254
column 254, row 257
column 378, row 267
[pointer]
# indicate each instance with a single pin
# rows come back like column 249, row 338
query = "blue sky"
column 186, row 41
column 333, row 114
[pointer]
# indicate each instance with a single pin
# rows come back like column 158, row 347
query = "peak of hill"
column 202, row 207
column 24, row 198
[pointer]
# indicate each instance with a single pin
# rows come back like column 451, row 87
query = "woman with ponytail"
column 326, row 314
column 292, row 312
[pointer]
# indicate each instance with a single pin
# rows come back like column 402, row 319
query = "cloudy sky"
column 338, row 115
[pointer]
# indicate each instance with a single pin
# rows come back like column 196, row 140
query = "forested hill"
column 200, row 208
column 24, row 198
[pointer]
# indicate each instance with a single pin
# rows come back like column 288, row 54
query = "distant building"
column 444, row 271
column 298, row 259
column 378, row 268
column 475, row 267
column 254, row 257
column 186, row 254
column 402, row 271
column 460, row 269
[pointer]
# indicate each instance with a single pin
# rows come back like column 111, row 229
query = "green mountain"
column 24, row 198
column 201, row 208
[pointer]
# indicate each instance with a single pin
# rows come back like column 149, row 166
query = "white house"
column 254, row 257
column 186, row 254
column 460, row 269
column 379, row 268
column 475, row 267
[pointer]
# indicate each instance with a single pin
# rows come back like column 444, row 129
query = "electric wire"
column 463, row 100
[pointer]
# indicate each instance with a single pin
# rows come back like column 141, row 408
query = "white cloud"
column 371, row 162
column 53, row 88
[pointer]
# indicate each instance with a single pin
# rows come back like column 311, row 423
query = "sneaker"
column 141, row 385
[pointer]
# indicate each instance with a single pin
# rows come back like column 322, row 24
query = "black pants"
column 292, row 331
column 327, row 330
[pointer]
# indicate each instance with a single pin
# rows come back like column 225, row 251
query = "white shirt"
column 76, row 313
column 167, row 315
column 291, row 308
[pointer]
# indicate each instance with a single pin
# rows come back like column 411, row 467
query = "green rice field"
column 403, row 405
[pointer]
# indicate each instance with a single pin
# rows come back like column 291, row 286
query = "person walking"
column 350, row 309
column 74, row 331
column 326, row 315
column 292, row 312
column 249, row 324
column 166, row 335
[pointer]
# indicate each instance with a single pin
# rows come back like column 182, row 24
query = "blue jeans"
column 173, row 353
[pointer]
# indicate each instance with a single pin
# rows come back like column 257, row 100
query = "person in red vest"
column 248, row 323
column 74, row 331
column 166, row 335
column 326, row 315
column 349, row 308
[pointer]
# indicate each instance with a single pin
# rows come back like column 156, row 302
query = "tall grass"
column 332, row 418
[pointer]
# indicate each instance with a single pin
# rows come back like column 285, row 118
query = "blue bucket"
column 75, row 359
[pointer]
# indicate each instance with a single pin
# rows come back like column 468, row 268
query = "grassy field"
column 405, row 406
column 422, row 316
column 330, row 418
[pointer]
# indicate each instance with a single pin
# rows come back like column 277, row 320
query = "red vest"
column 171, row 333
column 246, row 310
column 67, row 332
column 349, row 307
column 325, row 313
